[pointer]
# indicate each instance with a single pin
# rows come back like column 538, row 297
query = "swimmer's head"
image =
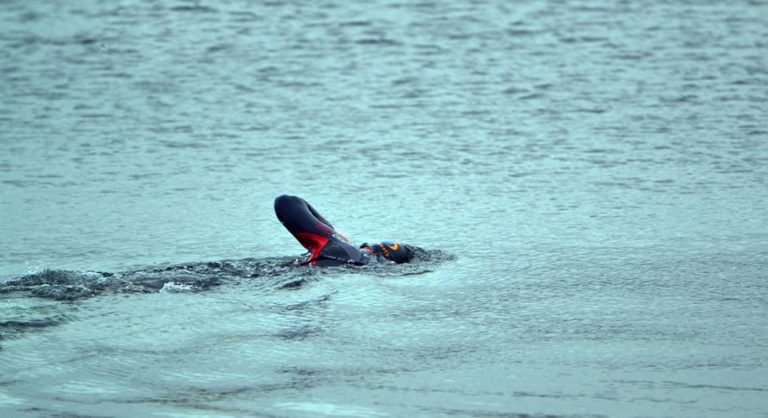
column 399, row 253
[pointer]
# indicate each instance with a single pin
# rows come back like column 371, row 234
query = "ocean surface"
column 588, row 181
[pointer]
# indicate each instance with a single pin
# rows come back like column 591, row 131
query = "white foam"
column 173, row 287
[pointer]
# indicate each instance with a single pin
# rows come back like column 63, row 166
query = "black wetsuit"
column 327, row 247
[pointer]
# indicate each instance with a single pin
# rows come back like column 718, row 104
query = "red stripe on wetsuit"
column 314, row 243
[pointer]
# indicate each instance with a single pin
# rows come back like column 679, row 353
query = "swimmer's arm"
column 325, row 221
column 343, row 237
column 318, row 215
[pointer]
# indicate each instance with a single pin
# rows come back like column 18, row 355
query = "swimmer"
column 325, row 245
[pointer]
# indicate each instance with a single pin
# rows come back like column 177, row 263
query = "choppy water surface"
column 588, row 180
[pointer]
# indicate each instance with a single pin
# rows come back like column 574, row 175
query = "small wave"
column 11, row 329
column 378, row 42
column 193, row 9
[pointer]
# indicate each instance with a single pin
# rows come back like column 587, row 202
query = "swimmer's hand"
column 343, row 238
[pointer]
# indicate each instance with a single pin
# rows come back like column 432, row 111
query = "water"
column 588, row 181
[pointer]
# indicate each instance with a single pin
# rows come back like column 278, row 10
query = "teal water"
column 589, row 178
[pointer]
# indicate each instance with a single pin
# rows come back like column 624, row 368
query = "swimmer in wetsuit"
column 327, row 246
